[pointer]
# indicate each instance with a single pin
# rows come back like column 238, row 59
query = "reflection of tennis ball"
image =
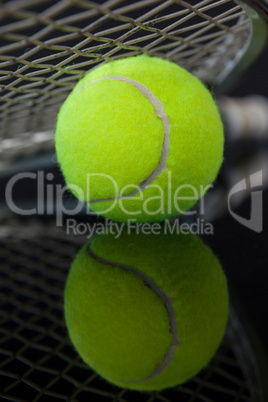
column 146, row 312
column 133, row 132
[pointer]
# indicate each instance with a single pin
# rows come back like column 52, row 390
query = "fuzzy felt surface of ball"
column 139, row 137
column 146, row 312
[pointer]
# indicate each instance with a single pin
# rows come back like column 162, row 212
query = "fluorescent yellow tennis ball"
column 141, row 138
column 146, row 312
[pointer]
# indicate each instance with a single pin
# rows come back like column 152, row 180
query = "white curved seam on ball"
column 161, row 113
column 166, row 299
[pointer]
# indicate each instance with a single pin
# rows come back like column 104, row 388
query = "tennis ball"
column 140, row 138
column 146, row 312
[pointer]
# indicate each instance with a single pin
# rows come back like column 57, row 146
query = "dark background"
column 244, row 253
